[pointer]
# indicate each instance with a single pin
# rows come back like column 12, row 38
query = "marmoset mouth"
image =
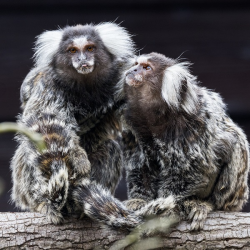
column 132, row 81
column 85, row 69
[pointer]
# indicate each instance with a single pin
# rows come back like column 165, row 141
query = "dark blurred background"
column 213, row 34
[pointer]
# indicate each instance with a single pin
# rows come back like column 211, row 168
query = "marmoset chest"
column 183, row 167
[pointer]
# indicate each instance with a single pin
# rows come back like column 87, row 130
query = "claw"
column 198, row 214
column 191, row 214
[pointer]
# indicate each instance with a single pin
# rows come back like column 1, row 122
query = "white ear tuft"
column 46, row 47
column 117, row 40
column 172, row 82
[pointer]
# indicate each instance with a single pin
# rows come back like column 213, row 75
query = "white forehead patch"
column 142, row 59
column 80, row 41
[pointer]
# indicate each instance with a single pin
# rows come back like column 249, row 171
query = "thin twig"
column 151, row 227
column 36, row 138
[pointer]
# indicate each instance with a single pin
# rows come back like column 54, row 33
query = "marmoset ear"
column 173, row 79
column 46, row 46
column 117, row 40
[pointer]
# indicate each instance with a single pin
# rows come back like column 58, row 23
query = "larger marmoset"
column 71, row 97
column 180, row 146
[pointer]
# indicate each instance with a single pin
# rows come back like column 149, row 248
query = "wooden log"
column 32, row 231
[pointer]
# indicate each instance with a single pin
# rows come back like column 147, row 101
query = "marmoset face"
column 81, row 49
column 147, row 80
column 148, row 70
column 140, row 72
column 82, row 54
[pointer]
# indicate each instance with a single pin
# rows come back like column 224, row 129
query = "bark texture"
column 32, row 231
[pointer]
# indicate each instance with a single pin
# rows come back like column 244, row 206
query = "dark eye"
column 136, row 63
column 72, row 50
column 90, row 48
column 147, row 67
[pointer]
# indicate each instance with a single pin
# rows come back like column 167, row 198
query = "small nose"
column 135, row 70
column 83, row 56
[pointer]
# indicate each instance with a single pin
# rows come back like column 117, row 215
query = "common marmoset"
column 180, row 144
column 71, row 97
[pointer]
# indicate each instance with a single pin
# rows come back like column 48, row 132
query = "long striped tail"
column 100, row 205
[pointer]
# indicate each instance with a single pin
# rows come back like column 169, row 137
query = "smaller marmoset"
column 184, row 155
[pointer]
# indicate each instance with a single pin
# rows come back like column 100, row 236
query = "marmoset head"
column 83, row 48
column 78, row 48
column 156, row 78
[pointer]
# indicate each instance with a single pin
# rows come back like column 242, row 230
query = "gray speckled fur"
column 180, row 143
column 75, row 108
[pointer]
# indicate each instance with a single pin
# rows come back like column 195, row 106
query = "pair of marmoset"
column 183, row 155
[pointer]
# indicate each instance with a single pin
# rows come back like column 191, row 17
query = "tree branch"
column 32, row 231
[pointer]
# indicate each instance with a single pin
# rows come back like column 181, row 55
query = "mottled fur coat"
column 180, row 145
